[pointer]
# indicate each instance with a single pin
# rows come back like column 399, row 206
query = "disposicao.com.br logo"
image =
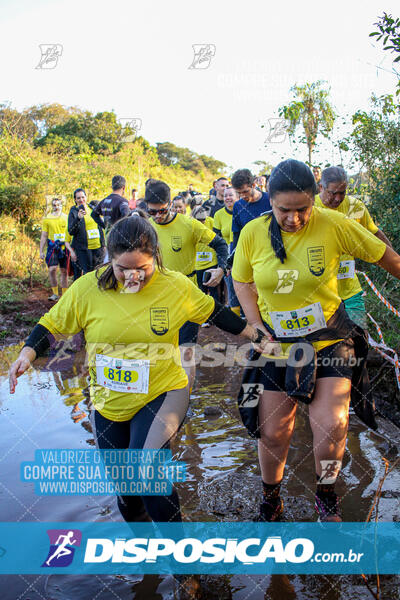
column 204, row 548
column 213, row 550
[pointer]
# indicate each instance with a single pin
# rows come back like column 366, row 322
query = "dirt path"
column 19, row 317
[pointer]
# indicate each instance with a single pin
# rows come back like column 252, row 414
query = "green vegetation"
column 51, row 149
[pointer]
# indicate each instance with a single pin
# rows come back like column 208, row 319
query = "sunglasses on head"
column 161, row 211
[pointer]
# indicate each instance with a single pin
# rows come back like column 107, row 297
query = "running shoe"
column 327, row 507
column 53, row 298
column 205, row 325
column 271, row 510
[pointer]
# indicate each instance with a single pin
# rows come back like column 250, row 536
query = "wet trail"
column 50, row 410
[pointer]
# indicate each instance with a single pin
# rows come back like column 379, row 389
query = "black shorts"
column 336, row 360
column 53, row 259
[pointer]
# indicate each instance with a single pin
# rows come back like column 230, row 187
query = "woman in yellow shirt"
column 130, row 312
column 86, row 239
column 54, row 227
column 285, row 274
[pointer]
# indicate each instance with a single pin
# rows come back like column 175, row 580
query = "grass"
column 12, row 292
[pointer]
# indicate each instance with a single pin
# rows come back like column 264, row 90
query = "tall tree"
column 310, row 108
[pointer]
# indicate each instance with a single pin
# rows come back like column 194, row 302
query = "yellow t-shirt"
column 223, row 222
column 178, row 240
column 139, row 327
column 206, row 257
column 352, row 208
column 188, row 210
column 309, row 274
column 92, row 234
column 55, row 227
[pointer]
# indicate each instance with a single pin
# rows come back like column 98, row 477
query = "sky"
column 134, row 58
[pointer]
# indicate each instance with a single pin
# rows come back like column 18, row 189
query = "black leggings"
column 151, row 428
column 86, row 261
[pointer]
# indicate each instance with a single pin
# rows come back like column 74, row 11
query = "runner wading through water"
column 126, row 310
column 285, row 275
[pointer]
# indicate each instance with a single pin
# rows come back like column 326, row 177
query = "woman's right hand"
column 19, row 366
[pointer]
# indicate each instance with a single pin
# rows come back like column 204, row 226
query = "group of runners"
column 288, row 259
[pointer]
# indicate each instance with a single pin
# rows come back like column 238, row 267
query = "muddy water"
column 50, row 409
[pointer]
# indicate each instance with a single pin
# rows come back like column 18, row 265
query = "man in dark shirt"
column 114, row 207
column 216, row 202
column 252, row 202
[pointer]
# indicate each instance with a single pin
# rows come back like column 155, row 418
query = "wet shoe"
column 270, row 510
column 53, row 298
column 327, row 507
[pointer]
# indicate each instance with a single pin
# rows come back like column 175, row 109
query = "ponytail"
column 275, row 234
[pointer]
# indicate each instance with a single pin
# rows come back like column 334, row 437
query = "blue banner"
column 214, row 548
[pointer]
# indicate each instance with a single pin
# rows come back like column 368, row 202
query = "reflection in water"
column 51, row 409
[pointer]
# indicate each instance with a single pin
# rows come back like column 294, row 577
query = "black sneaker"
column 327, row 507
column 270, row 510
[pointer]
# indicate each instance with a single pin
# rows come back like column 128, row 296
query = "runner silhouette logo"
column 62, row 547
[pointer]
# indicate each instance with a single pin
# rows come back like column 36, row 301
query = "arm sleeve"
column 227, row 320
column 221, row 248
column 242, row 270
column 45, row 226
column 229, row 262
column 357, row 241
column 73, row 223
column 96, row 216
column 39, row 339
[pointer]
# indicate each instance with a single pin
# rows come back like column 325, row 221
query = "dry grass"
column 19, row 254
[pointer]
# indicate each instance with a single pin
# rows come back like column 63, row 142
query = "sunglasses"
column 160, row 211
